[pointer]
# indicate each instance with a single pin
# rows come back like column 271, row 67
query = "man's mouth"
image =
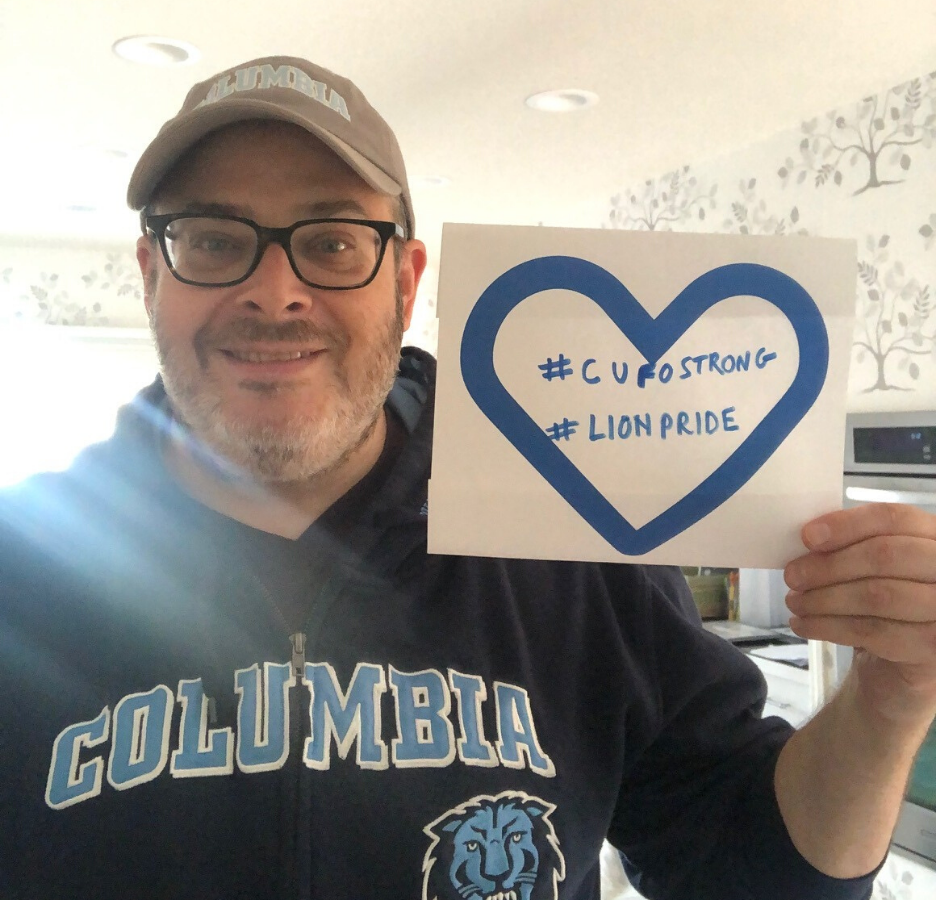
column 257, row 356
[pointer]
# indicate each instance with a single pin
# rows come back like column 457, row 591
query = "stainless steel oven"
column 891, row 457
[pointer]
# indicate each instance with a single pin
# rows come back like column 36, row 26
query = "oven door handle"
column 887, row 495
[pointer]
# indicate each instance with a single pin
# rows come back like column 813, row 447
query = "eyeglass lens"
column 216, row 251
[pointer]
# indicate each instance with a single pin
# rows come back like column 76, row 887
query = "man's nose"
column 274, row 288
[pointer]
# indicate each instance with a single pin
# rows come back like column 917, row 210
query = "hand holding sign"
column 537, row 359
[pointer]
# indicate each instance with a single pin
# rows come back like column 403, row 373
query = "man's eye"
column 472, row 845
column 214, row 243
column 517, row 837
column 330, row 245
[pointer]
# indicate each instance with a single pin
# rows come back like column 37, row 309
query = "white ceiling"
column 679, row 81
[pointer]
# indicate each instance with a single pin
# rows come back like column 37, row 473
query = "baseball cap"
column 288, row 89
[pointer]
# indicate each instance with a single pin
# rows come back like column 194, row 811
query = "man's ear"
column 147, row 254
column 412, row 266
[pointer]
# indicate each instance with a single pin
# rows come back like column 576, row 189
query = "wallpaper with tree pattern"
column 865, row 171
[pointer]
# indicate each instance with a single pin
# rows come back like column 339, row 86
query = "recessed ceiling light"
column 562, row 100
column 148, row 50
column 432, row 181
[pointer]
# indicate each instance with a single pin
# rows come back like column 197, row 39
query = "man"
column 230, row 669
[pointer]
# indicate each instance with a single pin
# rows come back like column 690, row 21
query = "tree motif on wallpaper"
column 749, row 214
column 119, row 276
column 879, row 132
column 61, row 298
column 53, row 306
column 11, row 309
column 673, row 197
column 895, row 317
column 928, row 230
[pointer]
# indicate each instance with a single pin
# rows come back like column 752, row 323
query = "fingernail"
column 816, row 534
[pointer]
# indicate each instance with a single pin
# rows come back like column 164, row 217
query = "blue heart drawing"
column 652, row 337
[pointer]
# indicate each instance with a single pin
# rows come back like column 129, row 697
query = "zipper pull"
column 298, row 654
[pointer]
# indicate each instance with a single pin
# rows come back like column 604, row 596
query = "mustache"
column 253, row 330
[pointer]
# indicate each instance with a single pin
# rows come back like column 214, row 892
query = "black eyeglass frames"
column 221, row 251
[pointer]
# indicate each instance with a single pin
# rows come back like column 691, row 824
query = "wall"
column 70, row 284
column 866, row 170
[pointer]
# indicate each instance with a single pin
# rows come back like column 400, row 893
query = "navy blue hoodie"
column 195, row 709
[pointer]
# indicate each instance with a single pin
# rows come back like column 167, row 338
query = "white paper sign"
column 613, row 396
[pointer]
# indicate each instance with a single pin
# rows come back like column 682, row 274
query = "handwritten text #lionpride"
column 663, row 425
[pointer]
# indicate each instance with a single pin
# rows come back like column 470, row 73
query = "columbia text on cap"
column 287, row 89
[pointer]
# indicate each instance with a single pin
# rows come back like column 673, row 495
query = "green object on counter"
column 734, row 598
column 709, row 590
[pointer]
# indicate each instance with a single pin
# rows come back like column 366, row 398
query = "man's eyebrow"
column 212, row 209
column 322, row 209
column 327, row 208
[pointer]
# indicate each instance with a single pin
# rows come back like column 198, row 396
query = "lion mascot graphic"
column 501, row 847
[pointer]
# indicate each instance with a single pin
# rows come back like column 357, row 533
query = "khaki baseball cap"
column 291, row 90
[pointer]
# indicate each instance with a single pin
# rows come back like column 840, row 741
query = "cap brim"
column 171, row 143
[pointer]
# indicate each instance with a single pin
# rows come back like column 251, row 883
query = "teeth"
column 270, row 357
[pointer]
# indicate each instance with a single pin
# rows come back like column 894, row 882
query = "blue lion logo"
column 500, row 847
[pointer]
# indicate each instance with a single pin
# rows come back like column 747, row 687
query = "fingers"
column 875, row 598
column 880, row 556
column 907, row 643
column 849, row 526
column 869, row 581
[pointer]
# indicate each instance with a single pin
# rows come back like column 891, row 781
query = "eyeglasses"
column 221, row 251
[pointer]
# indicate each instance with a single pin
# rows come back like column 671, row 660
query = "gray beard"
column 302, row 447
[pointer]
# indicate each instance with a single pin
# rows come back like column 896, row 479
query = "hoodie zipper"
column 297, row 872
column 298, row 640
column 302, row 786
